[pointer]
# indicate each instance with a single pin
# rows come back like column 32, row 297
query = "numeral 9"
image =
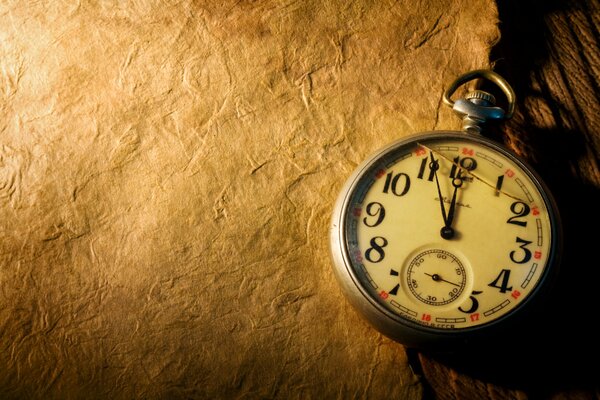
column 376, row 210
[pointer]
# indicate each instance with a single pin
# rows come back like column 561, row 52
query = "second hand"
column 470, row 173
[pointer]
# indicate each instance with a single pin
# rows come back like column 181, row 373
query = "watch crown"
column 481, row 98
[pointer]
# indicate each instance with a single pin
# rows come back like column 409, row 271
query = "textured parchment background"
column 167, row 173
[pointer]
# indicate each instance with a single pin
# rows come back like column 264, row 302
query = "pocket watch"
column 444, row 238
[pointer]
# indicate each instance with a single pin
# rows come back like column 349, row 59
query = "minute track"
column 421, row 288
column 472, row 174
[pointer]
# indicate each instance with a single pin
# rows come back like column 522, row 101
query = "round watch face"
column 443, row 234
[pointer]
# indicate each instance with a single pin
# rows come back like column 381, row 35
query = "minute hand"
column 447, row 231
column 435, row 166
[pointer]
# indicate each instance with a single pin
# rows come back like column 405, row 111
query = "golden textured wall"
column 167, row 174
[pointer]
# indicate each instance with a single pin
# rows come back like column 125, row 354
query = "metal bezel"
column 403, row 329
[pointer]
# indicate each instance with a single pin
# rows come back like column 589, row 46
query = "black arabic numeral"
column 467, row 163
column 474, row 303
column 501, row 282
column 527, row 252
column 520, row 209
column 375, row 209
column 433, row 166
column 391, row 182
column 375, row 253
column 499, row 182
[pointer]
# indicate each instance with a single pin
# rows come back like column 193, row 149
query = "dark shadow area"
column 558, row 348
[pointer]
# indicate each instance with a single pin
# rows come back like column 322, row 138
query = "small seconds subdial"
column 436, row 277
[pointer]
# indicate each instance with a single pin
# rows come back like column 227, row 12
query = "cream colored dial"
column 445, row 231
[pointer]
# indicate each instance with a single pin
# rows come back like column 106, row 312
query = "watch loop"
column 478, row 107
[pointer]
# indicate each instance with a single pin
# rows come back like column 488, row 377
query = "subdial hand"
column 438, row 278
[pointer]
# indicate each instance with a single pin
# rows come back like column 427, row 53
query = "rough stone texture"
column 167, row 173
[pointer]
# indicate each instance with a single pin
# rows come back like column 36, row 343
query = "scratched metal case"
column 401, row 326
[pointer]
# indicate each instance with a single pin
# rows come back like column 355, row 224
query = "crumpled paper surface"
column 167, row 174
